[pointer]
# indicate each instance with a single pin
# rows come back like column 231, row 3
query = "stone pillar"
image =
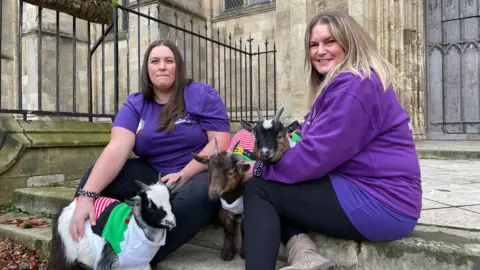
column 397, row 27
column 9, row 24
column 291, row 20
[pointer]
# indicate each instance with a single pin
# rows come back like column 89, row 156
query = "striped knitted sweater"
column 116, row 225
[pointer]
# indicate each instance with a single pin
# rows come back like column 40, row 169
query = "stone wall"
column 134, row 41
column 30, row 70
column 396, row 26
column 31, row 151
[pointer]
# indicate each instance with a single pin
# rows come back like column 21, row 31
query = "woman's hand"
column 174, row 177
column 83, row 211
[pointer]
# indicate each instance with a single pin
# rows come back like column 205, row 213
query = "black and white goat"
column 143, row 224
column 271, row 136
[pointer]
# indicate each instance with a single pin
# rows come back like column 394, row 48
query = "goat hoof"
column 227, row 254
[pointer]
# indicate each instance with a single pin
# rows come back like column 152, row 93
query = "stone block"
column 343, row 252
column 425, row 248
column 201, row 258
column 42, row 199
column 45, row 180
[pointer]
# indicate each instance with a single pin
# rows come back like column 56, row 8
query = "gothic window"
column 235, row 4
column 231, row 4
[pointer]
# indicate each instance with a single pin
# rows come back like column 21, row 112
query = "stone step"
column 201, row 258
column 449, row 150
column 428, row 247
column 33, row 238
column 36, row 200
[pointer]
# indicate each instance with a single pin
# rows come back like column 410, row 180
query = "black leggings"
column 190, row 204
column 275, row 212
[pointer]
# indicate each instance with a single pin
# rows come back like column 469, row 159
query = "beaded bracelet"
column 258, row 169
column 91, row 194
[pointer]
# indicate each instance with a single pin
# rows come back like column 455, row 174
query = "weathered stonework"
column 8, row 54
column 396, row 26
column 398, row 29
column 236, row 27
column 32, row 150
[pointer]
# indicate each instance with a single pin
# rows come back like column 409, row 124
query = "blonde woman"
column 355, row 174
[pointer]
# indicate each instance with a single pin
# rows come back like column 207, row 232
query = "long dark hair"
column 175, row 107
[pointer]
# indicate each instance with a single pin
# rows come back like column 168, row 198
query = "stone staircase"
column 430, row 246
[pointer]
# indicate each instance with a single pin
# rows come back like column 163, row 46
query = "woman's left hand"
column 174, row 177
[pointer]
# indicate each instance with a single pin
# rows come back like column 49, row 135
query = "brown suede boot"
column 302, row 255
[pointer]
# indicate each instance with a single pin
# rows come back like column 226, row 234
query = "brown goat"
column 225, row 179
column 226, row 171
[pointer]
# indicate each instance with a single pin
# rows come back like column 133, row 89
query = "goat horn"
column 260, row 115
column 276, row 118
column 215, row 150
column 233, row 148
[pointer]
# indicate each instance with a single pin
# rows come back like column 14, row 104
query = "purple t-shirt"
column 360, row 132
column 169, row 153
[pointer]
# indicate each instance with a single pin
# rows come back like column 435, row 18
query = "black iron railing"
column 244, row 76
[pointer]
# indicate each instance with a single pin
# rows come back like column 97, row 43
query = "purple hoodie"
column 360, row 132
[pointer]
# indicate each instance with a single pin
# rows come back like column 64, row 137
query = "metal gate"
column 453, row 69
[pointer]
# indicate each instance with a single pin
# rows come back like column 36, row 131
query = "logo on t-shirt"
column 185, row 119
column 141, row 125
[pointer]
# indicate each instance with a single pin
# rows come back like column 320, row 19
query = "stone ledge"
column 201, row 258
column 42, row 199
column 39, row 149
column 34, row 238
column 18, row 135
column 431, row 149
column 427, row 247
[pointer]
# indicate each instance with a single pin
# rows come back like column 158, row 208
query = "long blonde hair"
column 361, row 53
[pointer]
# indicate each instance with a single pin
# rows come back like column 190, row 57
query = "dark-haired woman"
column 165, row 122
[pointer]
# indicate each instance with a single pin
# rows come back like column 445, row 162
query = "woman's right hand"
column 83, row 211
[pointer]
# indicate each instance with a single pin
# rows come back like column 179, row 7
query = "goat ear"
column 142, row 185
column 201, row 159
column 246, row 125
column 242, row 166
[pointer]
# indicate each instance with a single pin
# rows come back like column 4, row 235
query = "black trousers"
column 275, row 212
column 191, row 206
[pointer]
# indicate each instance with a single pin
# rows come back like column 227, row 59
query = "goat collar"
column 235, row 207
